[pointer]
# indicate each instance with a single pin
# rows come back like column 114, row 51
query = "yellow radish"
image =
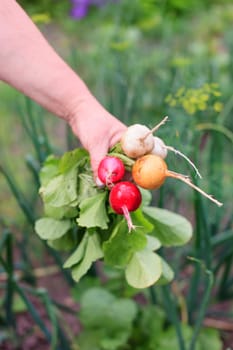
column 150, row 172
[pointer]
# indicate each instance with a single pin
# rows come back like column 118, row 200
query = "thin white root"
column 155, row 128
column 185, row 157
column 177, row 175
column 189, row 183
column 128, row 218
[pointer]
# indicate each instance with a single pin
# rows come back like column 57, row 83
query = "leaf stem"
column 155, row 128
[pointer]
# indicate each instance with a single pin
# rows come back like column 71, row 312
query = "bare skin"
column 30, row 64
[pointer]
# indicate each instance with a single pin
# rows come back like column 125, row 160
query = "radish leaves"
column 78, row 217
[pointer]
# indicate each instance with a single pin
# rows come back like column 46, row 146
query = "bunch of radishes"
column 148, row 170
column 124, row 196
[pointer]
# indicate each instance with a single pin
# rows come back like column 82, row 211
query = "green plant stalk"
column 35, row 137
column 23, row 246
column 170, row 308
column 152, row 295
column 71, row 141
column 8, row 302
column 226, row 111
column 202, row 309
column 3, row 239
column 16, row 287
column 21, row 200
column 33, row 312
column 161, row 197
column 52, row 315
column 222, row 292
column 43, row 132
column 195, row 280
column 223, row 257
column 203, row 234
column 229, row 283
column 10, row 283
column 222, row 237
column 216, row 127
column 33, row 166
column 202, row 250
column 216, row 185
column 193, row 292
column 50, row 305
column 63, row 341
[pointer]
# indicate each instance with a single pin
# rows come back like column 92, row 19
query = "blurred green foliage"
column 143, row 60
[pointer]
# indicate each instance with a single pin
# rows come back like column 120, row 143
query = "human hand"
column 96, row 129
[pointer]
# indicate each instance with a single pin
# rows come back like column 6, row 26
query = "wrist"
column 81, row 106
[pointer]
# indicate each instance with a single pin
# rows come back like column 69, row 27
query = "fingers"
column 96, row 156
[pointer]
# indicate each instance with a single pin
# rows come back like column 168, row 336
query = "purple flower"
column 80, row 7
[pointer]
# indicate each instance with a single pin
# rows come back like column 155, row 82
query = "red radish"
column 125, row 197
column 111, row 170
column 150, row 172
column 138, row 139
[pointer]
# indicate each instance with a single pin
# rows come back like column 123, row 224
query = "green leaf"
column 61, row 190
column 64, row 212
column 144, row 269
column 119, row 249
column 146, row 197
column 95, row 299
column 18, row 305
column 87, row 187
column 49, row 228
column 92, row 253
column 152, row 243
column 79, row 252
column 141, row 223
column 63, row 243
column 49, row 169
column 209, row 338
column 71, row 159
column 170, row 228
column 167, row 273
column 90, row 339
column 151, row 322
column 93, row 212
column 168, row 339
column 101, row 310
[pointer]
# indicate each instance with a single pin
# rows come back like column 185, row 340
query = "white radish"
column 134, row 144
column 160, row 149
column 138, row 139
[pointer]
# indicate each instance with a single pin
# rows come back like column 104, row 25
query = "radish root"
column 155, row 128
column 185, row 157
column 128, row 218
column 189, row 183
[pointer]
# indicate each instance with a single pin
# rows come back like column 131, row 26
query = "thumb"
column 96, row 156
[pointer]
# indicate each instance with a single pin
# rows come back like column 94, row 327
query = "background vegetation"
column 143, row 60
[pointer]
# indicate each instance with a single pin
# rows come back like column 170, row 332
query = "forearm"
column 29, row 63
